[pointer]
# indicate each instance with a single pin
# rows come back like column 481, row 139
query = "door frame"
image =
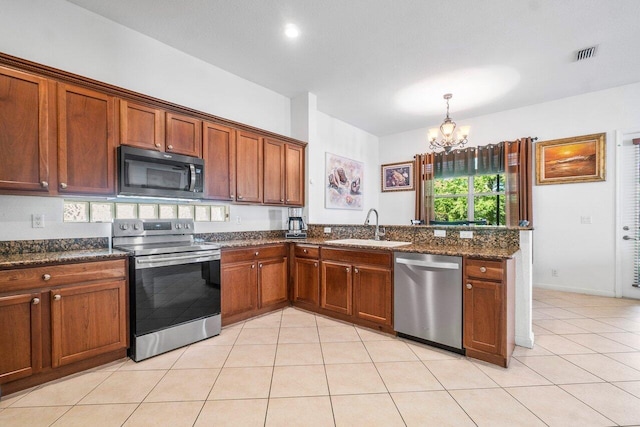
column 620, row 135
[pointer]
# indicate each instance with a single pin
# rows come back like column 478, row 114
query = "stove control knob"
column 124, row 226
column 187, row 226
column 136, row 227
column 178, row 226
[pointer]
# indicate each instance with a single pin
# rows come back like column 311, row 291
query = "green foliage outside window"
column 452, row 197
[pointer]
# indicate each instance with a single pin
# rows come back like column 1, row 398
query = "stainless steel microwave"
column 155, row 174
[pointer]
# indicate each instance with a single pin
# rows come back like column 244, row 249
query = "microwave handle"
column 192, row 177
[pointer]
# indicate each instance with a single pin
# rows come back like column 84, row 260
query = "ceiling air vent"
column 586, row 53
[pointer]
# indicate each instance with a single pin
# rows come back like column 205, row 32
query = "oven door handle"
column 192, row 176
column 163, row 261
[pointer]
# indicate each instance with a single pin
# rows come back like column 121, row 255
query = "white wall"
column 583, row 254
column 64, row 36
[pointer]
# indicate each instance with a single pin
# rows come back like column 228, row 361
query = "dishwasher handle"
column 429, row 264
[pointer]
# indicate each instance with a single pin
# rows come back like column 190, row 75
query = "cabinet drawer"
column 358, row 256
column 56, row 275
column 484, row 269
column 255, row 252
column 307, row 251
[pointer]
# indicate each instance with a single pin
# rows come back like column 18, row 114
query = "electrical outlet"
column 327, row 230
column 440, row 233
column 585, row 220
column 466, row 234
column 238, row 219
column 37, row 220
column 554, row 272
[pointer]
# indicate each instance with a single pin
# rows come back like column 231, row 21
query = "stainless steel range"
column 174, row 284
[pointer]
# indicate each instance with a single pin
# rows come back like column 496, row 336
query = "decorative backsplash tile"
column 102, row 212
column 75, row 212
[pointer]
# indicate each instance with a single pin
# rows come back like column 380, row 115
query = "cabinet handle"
column 348, row 269
column 44, row 184
column 469, row 286
column 170, row 147
column 483, row 269
column 46, row 277
column 63, row 185
column 157, row 144
column 57, row 297
column 315, row 264
column 35, row 301
column 355, row 270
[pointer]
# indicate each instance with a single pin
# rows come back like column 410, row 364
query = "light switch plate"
column 327, row 230
column 466, row 234
column 37, row 220
column 440, row 233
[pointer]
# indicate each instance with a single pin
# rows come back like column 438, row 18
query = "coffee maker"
column 297, row 228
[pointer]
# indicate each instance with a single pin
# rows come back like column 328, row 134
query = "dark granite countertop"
column 483, row 252
column 34, row 259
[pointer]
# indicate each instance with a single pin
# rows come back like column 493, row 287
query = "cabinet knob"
column 305, row 251
column 157, row 144
column 483, row 269
column 287, row 200
column 469, row 286
column 44, row 184
column 260, row 265
column 257, row 253
column 348, row 269
column 232, row 195
column 35, row 301
column 355, row 270
column 239, row 197
column 63, row 185
column 315, row 264
column 170, row 147
column 253, row 266
column 46, row 277
column 282, row 200
column 57, row 297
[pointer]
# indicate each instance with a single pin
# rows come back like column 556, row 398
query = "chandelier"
column 446, row 129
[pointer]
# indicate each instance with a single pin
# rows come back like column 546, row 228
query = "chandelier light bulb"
column 447, row 129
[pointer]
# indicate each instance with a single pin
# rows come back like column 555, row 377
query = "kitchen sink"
column 369, row 242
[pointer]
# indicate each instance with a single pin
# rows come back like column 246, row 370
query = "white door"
column 628, row 220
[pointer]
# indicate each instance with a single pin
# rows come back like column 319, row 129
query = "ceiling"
column 384, row 65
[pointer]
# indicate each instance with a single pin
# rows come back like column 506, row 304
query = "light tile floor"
column 292, row 368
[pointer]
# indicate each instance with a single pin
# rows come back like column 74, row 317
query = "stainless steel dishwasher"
column 428, row 299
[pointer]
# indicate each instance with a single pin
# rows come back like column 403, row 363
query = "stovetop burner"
column 148, row 237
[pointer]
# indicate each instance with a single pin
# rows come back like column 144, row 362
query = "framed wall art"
column 344, row 180
column 397, row 176
column 569, row 160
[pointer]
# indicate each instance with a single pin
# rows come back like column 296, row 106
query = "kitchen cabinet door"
column 272, row 281
column 86, row 149
column 20, row 336
column 372, row 290
column 483, row 311
column 274, row 171
column 24, row 131
column 87, row 320
column 183, row 135
column 337, row 287
column 248, row 167
column 306, row 281
column 294, row 173
column 141, row 126
column 219, row 154
column 239, row 289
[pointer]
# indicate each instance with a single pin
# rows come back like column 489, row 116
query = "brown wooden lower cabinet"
column 254, row 281
column 61, row 319
column 489, row 310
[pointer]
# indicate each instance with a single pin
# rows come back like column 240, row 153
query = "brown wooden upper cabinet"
column 86, row 144
column 248, row 167
column 283, row 173
column 219, row 154
column 24, row 131
column 154, row 129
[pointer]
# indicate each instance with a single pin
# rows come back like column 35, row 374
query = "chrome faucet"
column 378, row 233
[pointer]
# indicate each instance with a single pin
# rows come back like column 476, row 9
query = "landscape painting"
column 344, row 179
column 568, row 160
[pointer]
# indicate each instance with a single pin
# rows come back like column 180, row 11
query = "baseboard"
column 524, row 341
column 576, row 290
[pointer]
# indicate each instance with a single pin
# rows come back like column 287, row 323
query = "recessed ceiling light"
column 291, row 31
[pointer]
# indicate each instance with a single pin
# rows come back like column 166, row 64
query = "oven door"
column 175, row 300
